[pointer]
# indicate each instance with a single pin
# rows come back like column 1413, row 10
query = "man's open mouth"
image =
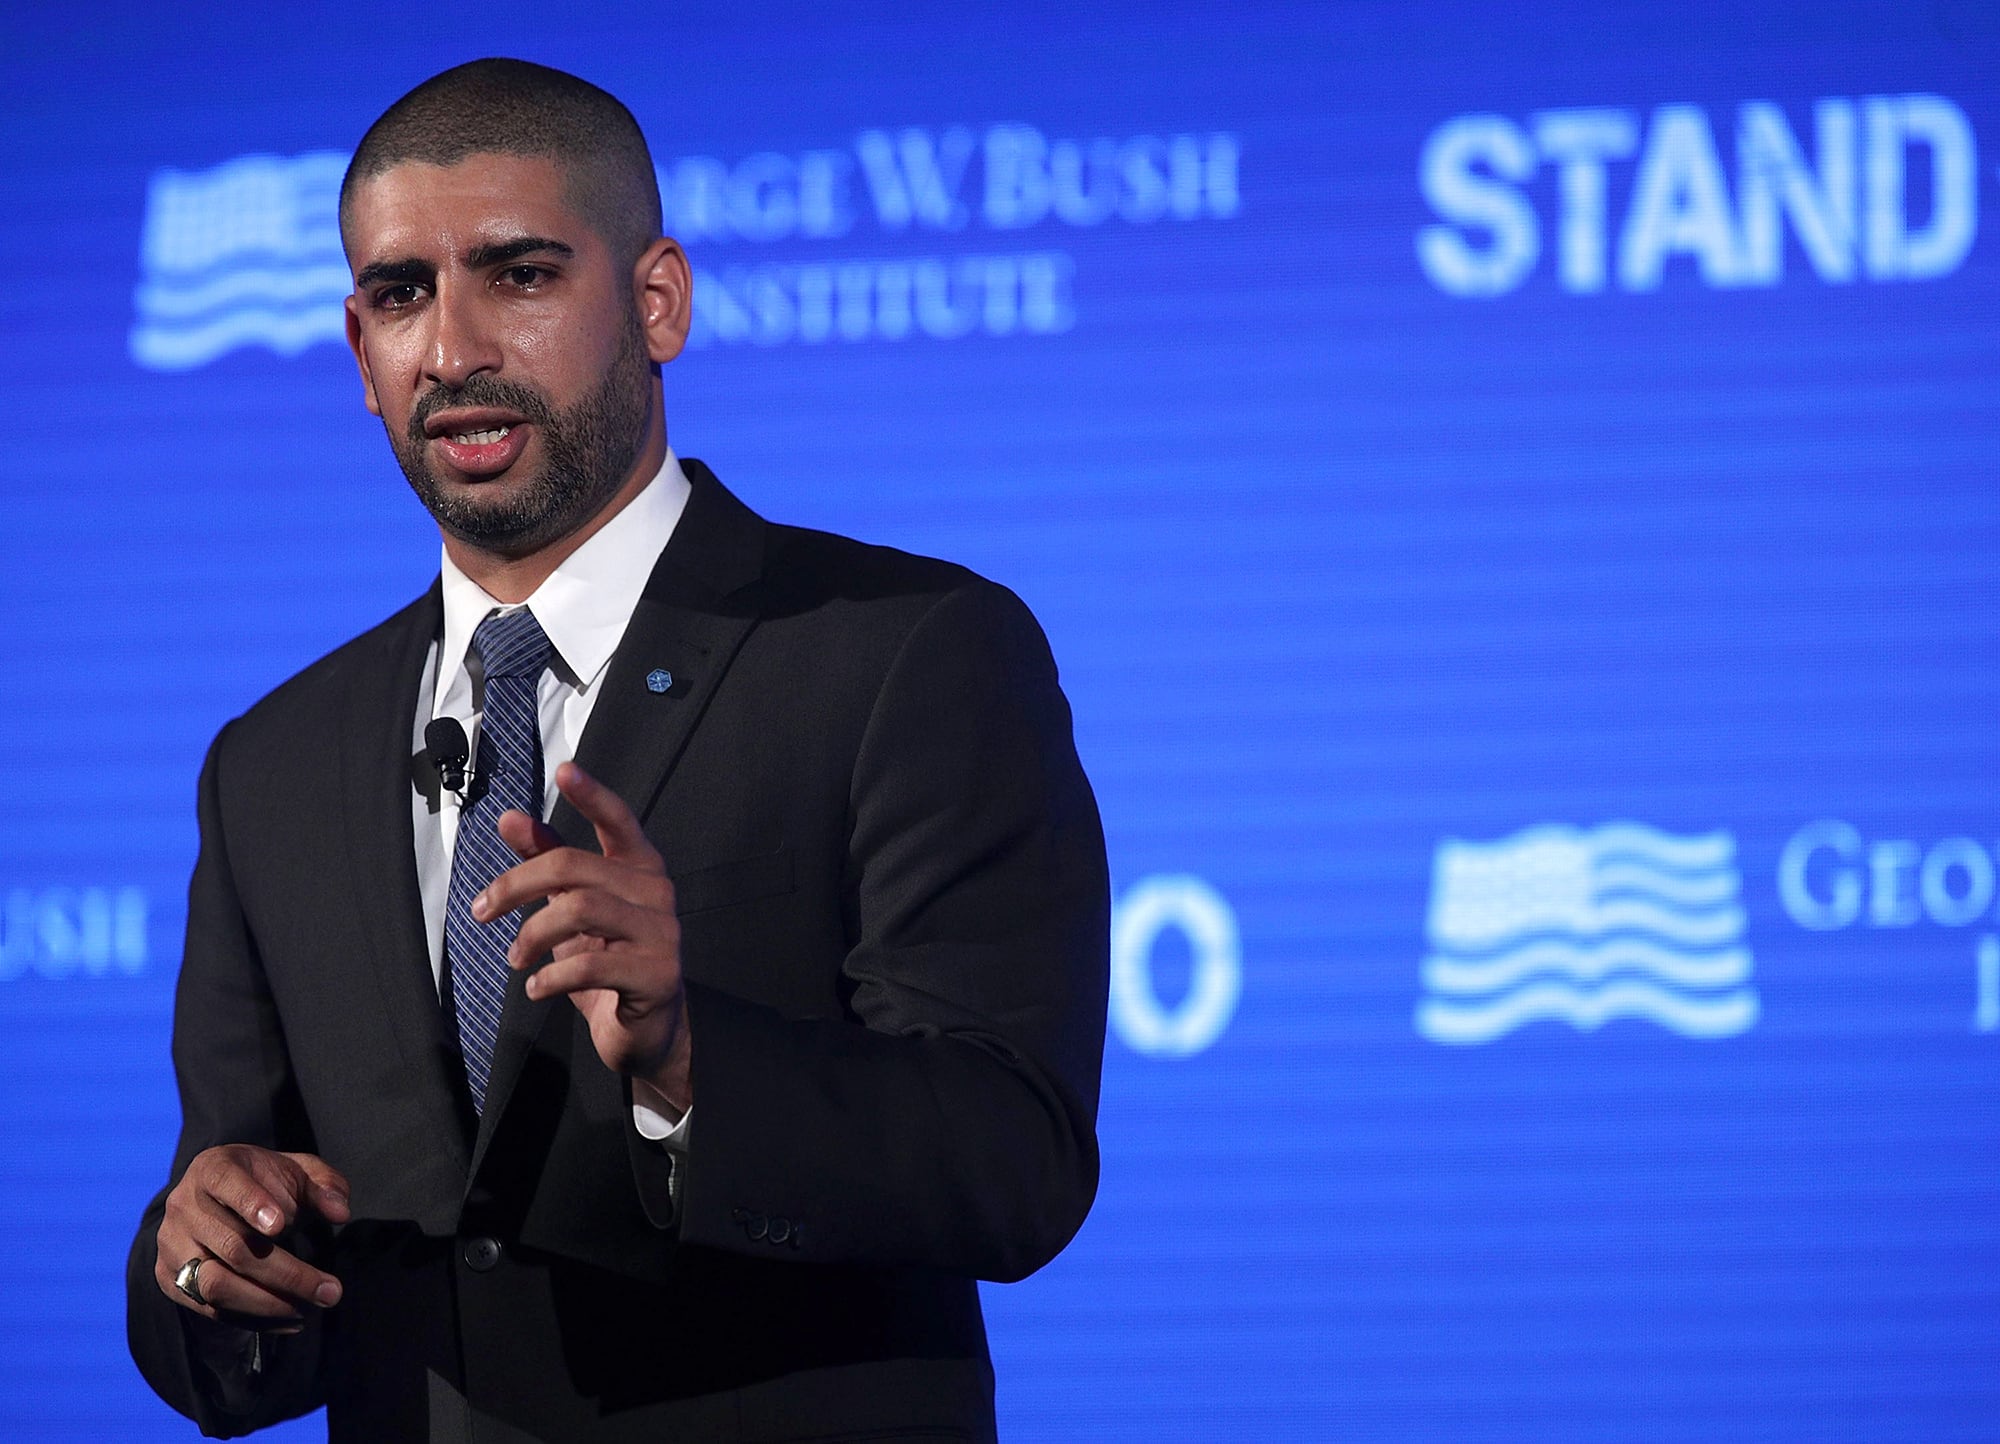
column 475, row 444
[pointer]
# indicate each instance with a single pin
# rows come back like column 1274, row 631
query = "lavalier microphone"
column 445, row 740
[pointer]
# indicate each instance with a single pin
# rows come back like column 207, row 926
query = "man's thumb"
column 321, row 1186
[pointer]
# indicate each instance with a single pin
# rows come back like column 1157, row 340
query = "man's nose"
column 462, row 343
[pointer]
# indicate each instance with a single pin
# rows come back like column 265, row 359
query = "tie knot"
column 512, row 645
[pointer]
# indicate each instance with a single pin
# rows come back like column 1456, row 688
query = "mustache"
column 479, row 390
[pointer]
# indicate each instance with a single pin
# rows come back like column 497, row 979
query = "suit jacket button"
column 481, row 1254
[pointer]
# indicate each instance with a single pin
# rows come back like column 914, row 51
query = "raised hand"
column 609, row 930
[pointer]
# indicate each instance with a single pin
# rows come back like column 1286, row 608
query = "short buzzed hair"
column 515, row 107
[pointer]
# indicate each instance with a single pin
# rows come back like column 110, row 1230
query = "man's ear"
column 368, row 396
column 663, row 287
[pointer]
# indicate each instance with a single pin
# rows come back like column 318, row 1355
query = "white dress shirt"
column 583, row 608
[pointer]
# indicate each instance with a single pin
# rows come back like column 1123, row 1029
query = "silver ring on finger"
column 188, row 1279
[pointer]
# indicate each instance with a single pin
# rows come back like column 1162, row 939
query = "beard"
column 587, row 453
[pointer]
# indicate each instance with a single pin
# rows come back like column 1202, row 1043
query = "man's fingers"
column 586, row 912
column 611, row 969
column 535, row 879
column 285, row 1294
column 618, row 831
column 225, row 1292
column 527, row 836
column 568, row 868
column 227, row 1210
column 259, row 1189
column 255, row 1258
column 295, row 1181
column 241, row 1271
column 230, row 1291
column 326, row 1190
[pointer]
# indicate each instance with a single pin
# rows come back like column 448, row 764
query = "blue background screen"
column 1510, row 489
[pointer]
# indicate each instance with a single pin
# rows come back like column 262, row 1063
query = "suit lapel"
column 694, row 615
column 375, row 786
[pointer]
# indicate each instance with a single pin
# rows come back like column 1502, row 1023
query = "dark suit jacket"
column 893, row 897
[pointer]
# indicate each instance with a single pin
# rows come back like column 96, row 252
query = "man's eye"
column 395, row 298
column 524, row 277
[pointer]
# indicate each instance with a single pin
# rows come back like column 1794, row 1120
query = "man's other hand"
column 609, row 930
column 228, row 1209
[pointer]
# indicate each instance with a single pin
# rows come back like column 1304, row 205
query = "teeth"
column 480, row 438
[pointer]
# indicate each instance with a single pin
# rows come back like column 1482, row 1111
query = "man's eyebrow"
column 499, row 253
column 401, row 272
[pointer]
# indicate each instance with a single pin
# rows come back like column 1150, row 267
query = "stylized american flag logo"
column 1583, row 926
column 245, row 254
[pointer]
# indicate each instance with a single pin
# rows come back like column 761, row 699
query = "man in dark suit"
column 696, row 1110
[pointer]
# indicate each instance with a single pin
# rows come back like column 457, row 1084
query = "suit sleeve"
column 952, row 1123
column 236, row 1086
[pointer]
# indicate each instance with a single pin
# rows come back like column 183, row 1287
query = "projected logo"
column 949, row 186
column 1885, row 188
column 63, row 932
column 246, row 254
column 1188, row 909
column 1584, row 926
column 1831, row 878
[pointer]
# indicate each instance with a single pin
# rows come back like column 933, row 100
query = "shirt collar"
column 585, row 604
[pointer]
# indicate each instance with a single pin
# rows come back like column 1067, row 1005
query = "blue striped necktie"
column 514, row 653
